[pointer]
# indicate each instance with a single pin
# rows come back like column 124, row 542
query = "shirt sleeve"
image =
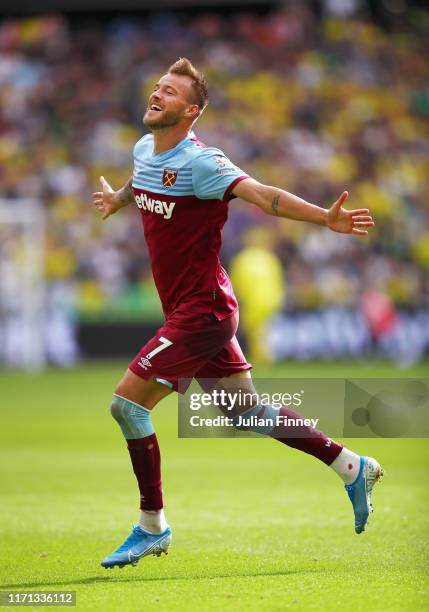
column 140, row 152
column 214, row 176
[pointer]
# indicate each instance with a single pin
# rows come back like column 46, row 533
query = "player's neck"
column 167, row 138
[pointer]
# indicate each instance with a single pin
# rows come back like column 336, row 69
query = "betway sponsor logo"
column 157, row 206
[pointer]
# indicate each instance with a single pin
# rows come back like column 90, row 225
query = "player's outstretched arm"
column 109, row 201
column 278, row 202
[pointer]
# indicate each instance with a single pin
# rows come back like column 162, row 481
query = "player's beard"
column 166, row 119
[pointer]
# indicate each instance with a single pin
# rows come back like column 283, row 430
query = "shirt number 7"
column 164, row 344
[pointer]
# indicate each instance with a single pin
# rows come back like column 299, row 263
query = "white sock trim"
column 346, row 465
column 153, row 521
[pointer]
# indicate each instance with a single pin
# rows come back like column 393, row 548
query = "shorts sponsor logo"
column 160, row 207
column 144, row 363
column 169, row 177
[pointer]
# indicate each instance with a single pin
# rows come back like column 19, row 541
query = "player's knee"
column 134, row 420
column 259, row 419
column 116, row 409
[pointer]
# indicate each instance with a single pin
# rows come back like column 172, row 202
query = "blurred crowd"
column 312, row 106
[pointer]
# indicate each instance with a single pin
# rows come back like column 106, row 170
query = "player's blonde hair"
column 184, row 67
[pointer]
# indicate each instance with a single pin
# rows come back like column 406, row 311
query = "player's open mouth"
column 155, row 107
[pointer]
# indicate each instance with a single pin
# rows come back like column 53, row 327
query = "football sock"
column 146, row 460
column 347, row 465
column 301, row 437
column 136, row 425
column 153, row 521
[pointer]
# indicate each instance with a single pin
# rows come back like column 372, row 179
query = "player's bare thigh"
column 239, row 381
column 146, row 393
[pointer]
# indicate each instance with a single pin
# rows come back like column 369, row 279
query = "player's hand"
column 106, row 201
column 348, row 221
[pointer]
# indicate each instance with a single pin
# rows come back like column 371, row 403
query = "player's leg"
column 131, row 406
column 358, row 473
column 174, row 353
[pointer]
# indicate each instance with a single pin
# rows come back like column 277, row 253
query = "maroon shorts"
column 198, row 347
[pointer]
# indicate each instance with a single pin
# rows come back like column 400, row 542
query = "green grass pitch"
column 256, row 525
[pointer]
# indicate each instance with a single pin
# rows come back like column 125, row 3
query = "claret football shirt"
column 183, row 196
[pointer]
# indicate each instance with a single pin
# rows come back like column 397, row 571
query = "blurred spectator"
column 257, row 277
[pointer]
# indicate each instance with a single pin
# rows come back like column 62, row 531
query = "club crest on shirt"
column 169, row 177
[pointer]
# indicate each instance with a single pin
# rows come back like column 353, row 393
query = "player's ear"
column 193, row 111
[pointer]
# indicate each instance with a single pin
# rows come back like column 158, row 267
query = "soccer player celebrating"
column 182, row 188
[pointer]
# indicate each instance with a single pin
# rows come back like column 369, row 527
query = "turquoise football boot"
column 360, row 491
column 139, row 544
